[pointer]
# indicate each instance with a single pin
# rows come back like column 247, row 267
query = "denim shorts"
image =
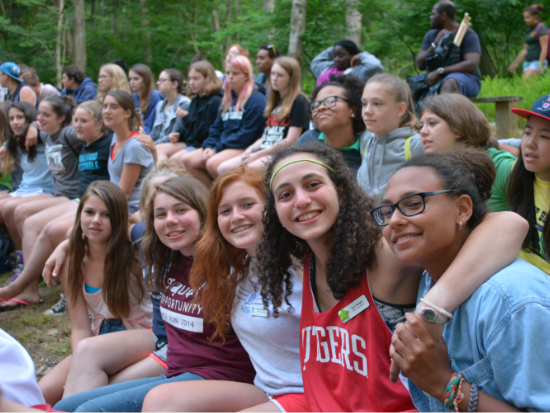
column 534, row 65
column 111, row 325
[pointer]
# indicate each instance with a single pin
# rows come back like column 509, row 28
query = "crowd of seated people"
column 225, row 243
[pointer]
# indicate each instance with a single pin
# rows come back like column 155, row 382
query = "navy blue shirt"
column 92, row 162
column 159, row 329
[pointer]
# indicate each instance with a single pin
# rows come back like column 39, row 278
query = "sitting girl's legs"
column 166, row 150
column 215, row 161
column 148, row 367
column 230, row 164
column 25, row 287
column 261, row 163
column 195, row 165
column 204, row 396
column 8, row 213
column 52, row 383
column 92, row 365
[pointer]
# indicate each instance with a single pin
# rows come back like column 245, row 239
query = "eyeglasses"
column 103, row 77
column 328, row 102
column 162, row 80
column 409, row 206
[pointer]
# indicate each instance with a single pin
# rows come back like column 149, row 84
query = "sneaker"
column 59, row 307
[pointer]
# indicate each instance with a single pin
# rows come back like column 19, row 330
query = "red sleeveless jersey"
column 346, row 366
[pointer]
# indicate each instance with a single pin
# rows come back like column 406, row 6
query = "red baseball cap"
column 540, row 109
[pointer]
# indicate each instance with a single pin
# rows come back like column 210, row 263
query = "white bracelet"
column 442, row 311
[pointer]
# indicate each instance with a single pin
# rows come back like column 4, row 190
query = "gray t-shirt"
column 62, row 152
column 273, row 344
column 135, row 153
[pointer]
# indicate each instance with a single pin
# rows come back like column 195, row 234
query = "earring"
column 459, row 226
column 353, row 115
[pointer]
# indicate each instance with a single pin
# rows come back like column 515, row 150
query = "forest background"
column 48, row 34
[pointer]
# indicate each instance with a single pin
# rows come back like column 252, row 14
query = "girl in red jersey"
column 354, row 287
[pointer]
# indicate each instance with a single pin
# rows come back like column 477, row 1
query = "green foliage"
column 531, row 89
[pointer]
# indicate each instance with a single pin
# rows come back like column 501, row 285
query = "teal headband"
column 294, row 161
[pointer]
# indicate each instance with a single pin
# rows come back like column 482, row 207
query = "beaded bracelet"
column 474, row 394
column 453, row 392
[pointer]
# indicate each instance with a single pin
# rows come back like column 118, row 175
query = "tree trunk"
column 58, row 63
column 79, row 35
column 229, row 40
column 147, row 36
column 486, row 66
column 297, row 29
column 353, row 21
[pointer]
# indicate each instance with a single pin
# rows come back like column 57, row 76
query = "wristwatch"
column 441, row 70
column 430, row 315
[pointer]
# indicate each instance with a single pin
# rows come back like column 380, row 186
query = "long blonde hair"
column 401, row 92
column 120, row 81
column 242, row 64
column 291, row 66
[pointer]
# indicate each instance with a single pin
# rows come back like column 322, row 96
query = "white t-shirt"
column 17, row 377
column 273, row 344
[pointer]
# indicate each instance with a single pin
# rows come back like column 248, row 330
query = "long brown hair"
column 121, row 263
column 218, row 265
column 291, row 66
column 157, row 256
column 126, row 102
column 145, row 73
column 212, row 83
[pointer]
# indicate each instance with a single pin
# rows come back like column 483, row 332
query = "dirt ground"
column 46, row 338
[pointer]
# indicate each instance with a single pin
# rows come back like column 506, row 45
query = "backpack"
column 548, row 50
column 6, row 248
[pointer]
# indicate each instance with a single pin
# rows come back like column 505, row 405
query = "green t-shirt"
column 503, row 161
column 6, row 180
column 533, row 43
column 355, row 147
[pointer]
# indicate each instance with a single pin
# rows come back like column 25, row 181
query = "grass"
column 46, row 338
column 530, row 89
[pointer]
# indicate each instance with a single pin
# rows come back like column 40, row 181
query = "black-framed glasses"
column 409, row 206
column 328, row 102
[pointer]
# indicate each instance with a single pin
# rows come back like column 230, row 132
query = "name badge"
column 259, row 311
column 351, row 310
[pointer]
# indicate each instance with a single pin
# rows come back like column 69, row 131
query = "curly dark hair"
column 353, row 241
column 353, row 91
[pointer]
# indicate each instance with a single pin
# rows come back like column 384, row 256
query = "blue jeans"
column 121, row 397
column 111, row 325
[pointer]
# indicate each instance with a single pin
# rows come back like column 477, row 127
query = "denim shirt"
column 160, row 134
column 499, row 339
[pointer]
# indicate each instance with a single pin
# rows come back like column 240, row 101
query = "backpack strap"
column 537, row 29
column 408, row 154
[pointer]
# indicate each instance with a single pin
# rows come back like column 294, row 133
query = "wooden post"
column 507, row 122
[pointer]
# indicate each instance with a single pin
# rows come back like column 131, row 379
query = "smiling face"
column 437, row 136
column 235, row 79
column 305, row 198
column 535, row 147
column 136, row 81
column 381, row 113
column 17, row 121
column 113, row 114
column 86, row 127
column 341, row 58
column 196, row 81
column 47, row 120
column 280, row 79
column 530, row 19
column 337, row 117
column 177, row 224
column 240, row 216
column 429, row 237
column 105, row 81
column 95, row 221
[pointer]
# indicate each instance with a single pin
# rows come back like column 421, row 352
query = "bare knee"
column 450, row 86
column 30, row 225
column 56, row 233
column 87, row 350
